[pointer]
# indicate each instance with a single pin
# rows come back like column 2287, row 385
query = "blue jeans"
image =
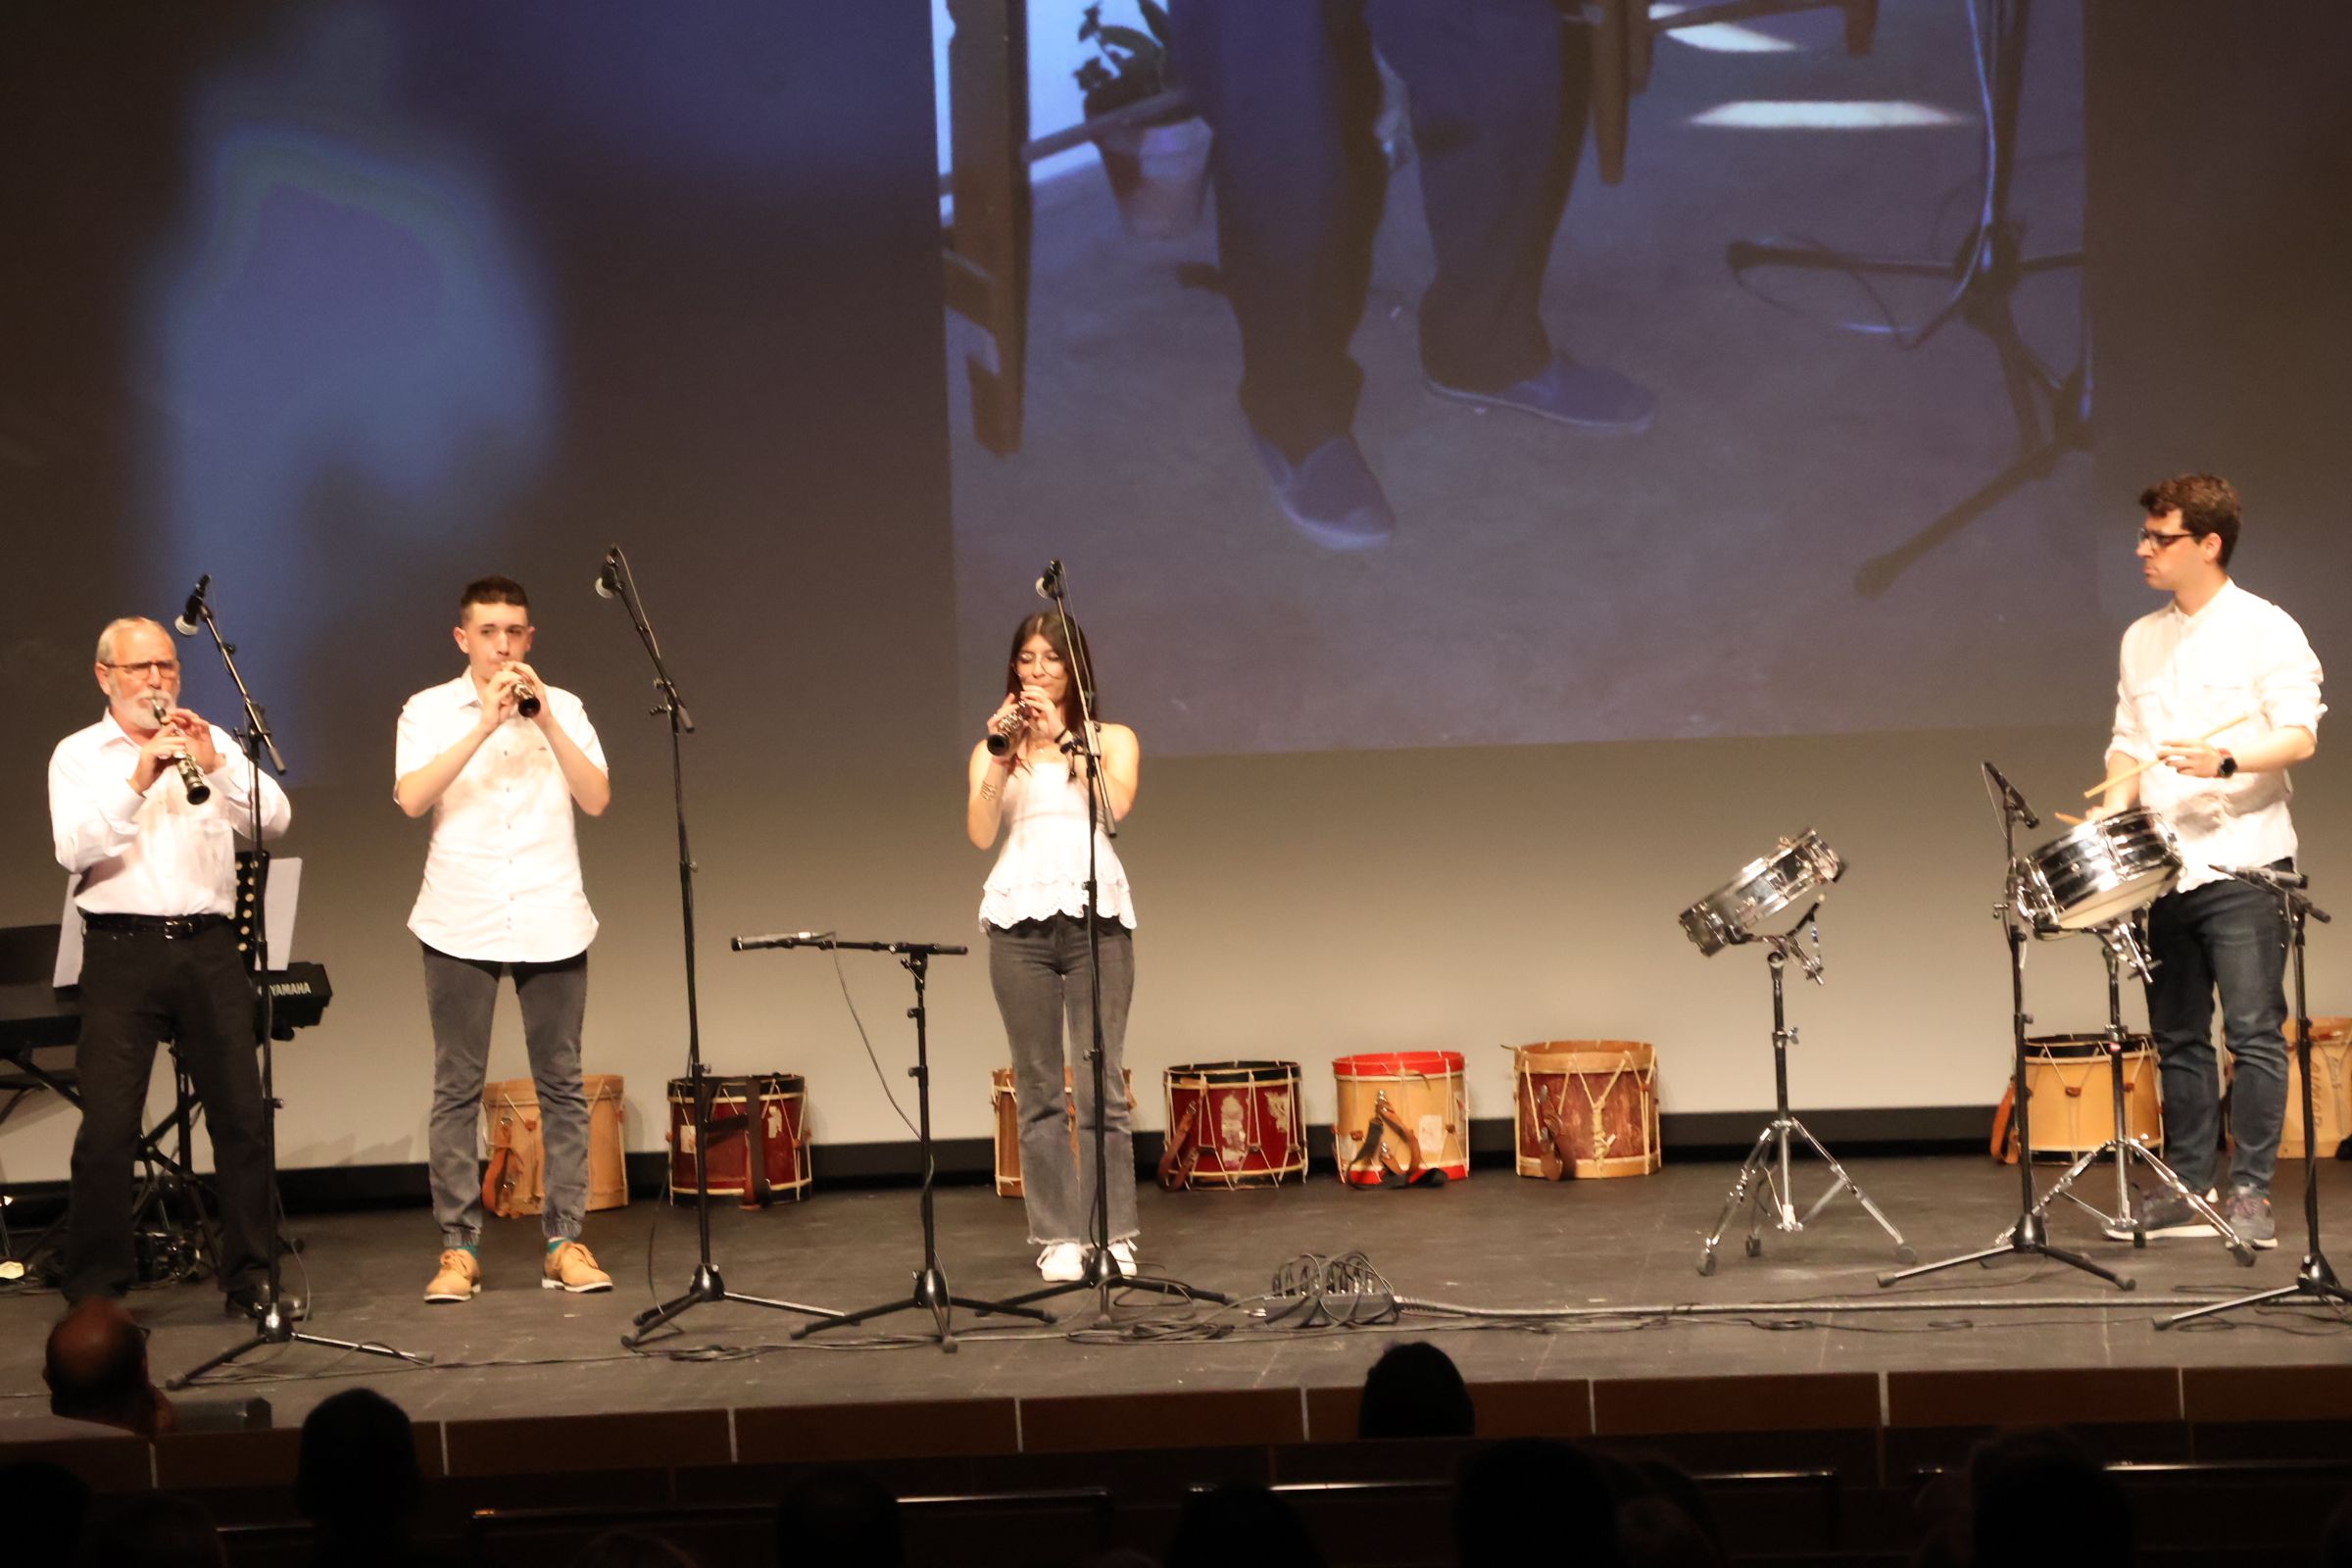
column 1039, row 969
column 2232, row 936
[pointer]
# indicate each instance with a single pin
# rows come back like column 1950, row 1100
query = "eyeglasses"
column 150, row 669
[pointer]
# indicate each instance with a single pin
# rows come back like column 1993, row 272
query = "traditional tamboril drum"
column 2074, row 1095
column 2330, row 1088
column 758, row 1149
column 1403, row 1118
column 2098, row 873
column 1005, row 1099
column 1587, row 1107
column 1769, row 897
column 515, row 1180
column 1233, row 1124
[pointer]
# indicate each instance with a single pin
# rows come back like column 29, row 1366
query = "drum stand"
column 930, row 1293
column 2028, row 1237
column 2316, row 1280
column 1766, row 1173
column 2122, row 943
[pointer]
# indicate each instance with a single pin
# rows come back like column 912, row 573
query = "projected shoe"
column 1588, row 397
column 1329, row 495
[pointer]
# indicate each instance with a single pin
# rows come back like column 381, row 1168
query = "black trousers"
column 139, row 988
column 1498, row 90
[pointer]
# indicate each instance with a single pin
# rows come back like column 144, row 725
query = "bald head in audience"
column 96, row 1369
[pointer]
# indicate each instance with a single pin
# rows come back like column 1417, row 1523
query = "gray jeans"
column 461, row 993
column 1039, row 969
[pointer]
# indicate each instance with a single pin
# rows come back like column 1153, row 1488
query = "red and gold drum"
column 1233, row 1124
column 758, row 1149
column 1403, row 1117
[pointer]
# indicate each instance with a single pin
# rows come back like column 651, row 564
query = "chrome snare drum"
column 1769, row 897
column 2097, row 874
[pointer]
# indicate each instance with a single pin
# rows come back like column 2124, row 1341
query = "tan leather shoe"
column 460, row 1278
column 572, row 1268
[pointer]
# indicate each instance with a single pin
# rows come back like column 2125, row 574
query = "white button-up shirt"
column 152, row 853
column 2238, row 656
column 501, row 879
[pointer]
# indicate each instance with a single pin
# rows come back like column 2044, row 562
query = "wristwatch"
column 2228, row 768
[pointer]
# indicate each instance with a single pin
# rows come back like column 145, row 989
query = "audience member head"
column 2038, row 1496
column 1663, row 1520
column 2336, row 1540
column 358, row 1468
column 1241, row 1525
column 1499, row 1488
column 1413, row 1390
column 840, row 1517
column 151, row 1530
column 96, row 1369
column 632, row 1548
column 46, row 1506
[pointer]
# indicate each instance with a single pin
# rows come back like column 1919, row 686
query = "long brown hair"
column 1077, row 662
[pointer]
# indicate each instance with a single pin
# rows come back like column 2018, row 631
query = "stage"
column 1613, row 1261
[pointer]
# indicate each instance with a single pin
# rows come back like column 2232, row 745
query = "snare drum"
column 1587, row 1107
column 515, row 1180
column 1403, row 1117
column 1006, row 1101
column 2073, row 1094
column 758, row 1149
column 1233, row 1124
column 1769, row 897
column 2330, row 1088
column 2098, row 873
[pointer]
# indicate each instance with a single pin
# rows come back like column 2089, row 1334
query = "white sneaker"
column 1123, row 1253
column 1061, row 1262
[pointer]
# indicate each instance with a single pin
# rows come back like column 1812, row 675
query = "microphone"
column 608, row 577
column 191, row 777
column 193, row 616
column 1049, row 585
column 2009, row 792
column 783, row 939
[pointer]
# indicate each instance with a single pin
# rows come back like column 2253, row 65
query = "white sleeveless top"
column 1041, row 872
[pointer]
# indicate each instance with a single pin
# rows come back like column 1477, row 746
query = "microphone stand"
column 2316, row 1281
column 2030, row 1235
column 275, row 1325
column 620, row 582
column 930, row 1293
column 1103, row 1272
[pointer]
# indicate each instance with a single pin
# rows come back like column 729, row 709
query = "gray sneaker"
column 2164, row 1215
column 2248, row 1212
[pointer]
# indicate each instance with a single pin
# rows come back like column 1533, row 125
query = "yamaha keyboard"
column 34, row 1014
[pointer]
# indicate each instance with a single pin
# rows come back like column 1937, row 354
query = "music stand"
column 930, row 1293
column 2316, row 1280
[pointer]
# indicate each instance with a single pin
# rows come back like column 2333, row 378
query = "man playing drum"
column 2218, row 695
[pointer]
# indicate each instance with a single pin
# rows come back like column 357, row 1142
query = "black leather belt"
column 169, row 926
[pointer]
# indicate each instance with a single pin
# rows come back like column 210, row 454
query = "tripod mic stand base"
column 2028, row 1237
column 2125, row 1151
column 1104, row 1275
column 2315, row 1283
column 275, row 1326
column 707, row 1287
column 1757, row 1181
column 930, row 1296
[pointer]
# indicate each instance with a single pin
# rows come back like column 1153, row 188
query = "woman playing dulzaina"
column 1028, row 782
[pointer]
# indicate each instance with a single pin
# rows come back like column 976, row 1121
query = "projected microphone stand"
column 2316, row 1280
column 930, row 1293
column 618, row 582
column 1103, row 1274
column 275, row 1325
column 2030, row 1235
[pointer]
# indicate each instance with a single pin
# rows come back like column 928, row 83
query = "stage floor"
column 1495, row 1241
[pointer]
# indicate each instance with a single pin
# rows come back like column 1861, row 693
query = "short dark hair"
column 492, row 591
column 2207, row 504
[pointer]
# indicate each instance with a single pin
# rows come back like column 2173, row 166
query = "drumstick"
column 2070, row 821
column 2133, row 771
